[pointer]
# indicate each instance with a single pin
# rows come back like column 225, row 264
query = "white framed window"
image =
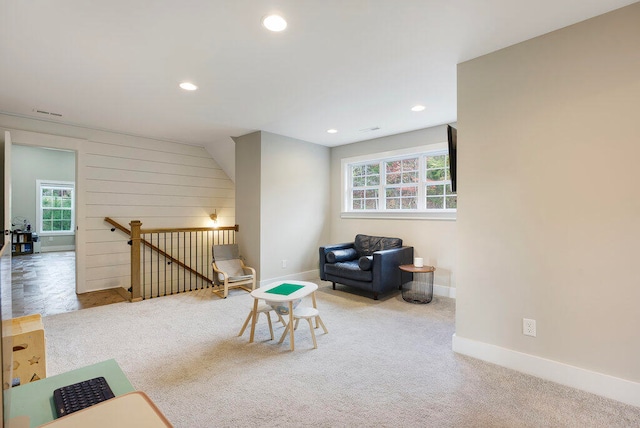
column 55, row 201
column 439, row 195
column 401, row 183
column 409, row 183
column 365, row 193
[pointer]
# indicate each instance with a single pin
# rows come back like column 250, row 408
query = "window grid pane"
column 438, row 192
column 56, row 204
column 399, row 173
column 365, row 200
column 435, row 203
column 365, row 180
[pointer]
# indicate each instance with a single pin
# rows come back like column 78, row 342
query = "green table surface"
column 285, row 289
column 35, row 399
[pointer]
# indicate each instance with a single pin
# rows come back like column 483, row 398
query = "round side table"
column 420, row 290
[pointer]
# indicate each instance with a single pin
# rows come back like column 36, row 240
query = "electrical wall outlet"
column 284, row 264
column 529, row 327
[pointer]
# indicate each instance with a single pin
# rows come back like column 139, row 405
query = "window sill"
column 56, row 233
column 447, row 216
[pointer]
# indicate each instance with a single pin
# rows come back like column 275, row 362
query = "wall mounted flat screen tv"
column 452, row 136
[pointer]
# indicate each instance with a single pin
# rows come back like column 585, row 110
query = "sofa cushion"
column 366, row 245
column 365, row 262
column 341, row 255
column 349, row 270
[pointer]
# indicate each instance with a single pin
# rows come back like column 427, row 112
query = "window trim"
column 444, row 214
column 53, row 183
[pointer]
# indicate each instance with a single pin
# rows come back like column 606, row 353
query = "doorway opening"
column 43, row 225
column 43, row 229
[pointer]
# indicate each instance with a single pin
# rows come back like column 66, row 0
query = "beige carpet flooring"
column 384, row 363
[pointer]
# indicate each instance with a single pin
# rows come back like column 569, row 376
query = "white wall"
column 34, row 163
column 283, row 198
column 433, row 240
column 548, row 207
column 162, row 184
column 248, row 197
column 295, row 205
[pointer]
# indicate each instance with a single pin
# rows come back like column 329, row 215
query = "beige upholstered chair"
column 230, row 271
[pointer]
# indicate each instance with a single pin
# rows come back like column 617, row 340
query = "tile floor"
column 44, row 284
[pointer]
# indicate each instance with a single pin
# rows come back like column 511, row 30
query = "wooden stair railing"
column 136, row 234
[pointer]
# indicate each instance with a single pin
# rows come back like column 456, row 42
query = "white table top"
column 261, row 293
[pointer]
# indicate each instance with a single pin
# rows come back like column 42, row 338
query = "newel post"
column 135, row 260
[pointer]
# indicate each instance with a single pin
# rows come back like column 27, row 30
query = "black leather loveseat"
column 369, row 263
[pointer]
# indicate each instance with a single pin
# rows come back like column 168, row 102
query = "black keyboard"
column 78, row 396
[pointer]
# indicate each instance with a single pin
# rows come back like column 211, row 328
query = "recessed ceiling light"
column 418, row 108
column 332, row 131
column 188, row 86
column 274, row 23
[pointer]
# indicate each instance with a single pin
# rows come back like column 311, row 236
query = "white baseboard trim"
column 596, row 383
column 441, row 290
column 300, row 276
column 58, row 248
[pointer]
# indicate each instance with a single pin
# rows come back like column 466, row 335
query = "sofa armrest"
column 385, row 267
column 323, row 254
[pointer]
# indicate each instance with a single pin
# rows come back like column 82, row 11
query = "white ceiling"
column 345, row 64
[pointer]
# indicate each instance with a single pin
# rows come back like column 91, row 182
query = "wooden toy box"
column 29, row 363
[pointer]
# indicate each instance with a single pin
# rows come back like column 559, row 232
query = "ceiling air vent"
column 375, row 128
column 48, row 113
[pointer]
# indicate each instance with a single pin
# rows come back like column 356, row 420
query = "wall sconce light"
column 214, row 216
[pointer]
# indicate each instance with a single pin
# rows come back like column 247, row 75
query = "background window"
column 407, row 184
column 56, row 207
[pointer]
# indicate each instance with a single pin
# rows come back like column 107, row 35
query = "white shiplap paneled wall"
column 160, row 183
